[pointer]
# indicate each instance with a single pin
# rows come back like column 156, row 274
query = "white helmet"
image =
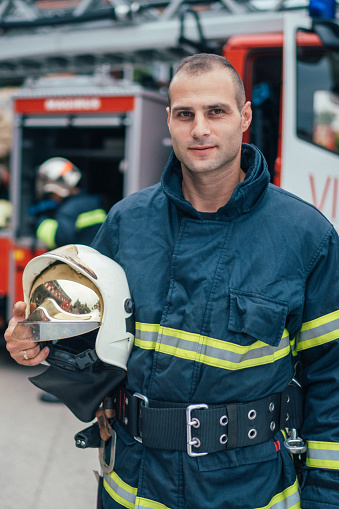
column 84, row 314
column 57, row 175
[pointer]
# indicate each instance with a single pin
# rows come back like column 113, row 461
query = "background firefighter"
column 64, row 212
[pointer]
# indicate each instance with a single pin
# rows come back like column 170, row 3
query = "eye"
column 185, row 114
column 216, row 111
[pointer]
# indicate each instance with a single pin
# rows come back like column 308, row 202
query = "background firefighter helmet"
column 84, row 312
column 57, row 175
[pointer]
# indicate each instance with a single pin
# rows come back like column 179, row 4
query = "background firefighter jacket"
column 224, row 308
column 75, row 220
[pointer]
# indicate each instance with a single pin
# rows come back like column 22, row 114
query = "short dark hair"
column 201, row 63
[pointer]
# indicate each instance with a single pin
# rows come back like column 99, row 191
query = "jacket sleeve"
column 106, row 240
column 318, row 351
column 56, row 231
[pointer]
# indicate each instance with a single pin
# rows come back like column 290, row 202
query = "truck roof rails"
column 54, row 36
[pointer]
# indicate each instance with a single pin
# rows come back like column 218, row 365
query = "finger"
column 18, row 315
column 29, row 353
column 19, row 310
column 15, row 348
column 35, row 356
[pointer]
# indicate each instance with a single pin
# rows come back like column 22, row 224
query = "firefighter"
column 235, row 286
column 64, row 214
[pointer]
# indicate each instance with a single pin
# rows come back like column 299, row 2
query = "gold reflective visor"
column 67, row 305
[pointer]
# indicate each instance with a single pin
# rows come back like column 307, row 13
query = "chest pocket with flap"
column 257, row 317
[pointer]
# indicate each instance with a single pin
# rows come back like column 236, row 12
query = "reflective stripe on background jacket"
column 224, row 307
column 75, row 221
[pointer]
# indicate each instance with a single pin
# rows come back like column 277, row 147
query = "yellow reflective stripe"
column 126, row 495
column 287, row 499
column 319, row 331
column 46, row 232
column 206, row 350
column 293, row 345
column 90, row 218
column 283, row 433
column 120, row 491
column 145, row 503
column 322, row 454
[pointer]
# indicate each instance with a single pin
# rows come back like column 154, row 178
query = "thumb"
column 19, row 310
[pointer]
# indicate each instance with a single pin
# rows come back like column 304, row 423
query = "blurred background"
column 40, row 467
column 87, row 80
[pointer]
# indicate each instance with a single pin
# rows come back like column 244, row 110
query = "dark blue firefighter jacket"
column 224, row 309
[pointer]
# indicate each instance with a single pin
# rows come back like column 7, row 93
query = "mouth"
column 201, row 150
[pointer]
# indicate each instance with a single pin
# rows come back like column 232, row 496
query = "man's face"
column 205, row 123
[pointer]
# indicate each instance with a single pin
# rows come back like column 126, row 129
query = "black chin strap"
column 73, row 362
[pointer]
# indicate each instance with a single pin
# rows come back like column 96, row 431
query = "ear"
column 168, row 115
column 246, row 115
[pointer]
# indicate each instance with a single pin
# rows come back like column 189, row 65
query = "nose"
column 201, row 127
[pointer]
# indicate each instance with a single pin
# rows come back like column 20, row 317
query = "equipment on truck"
column 108, row 128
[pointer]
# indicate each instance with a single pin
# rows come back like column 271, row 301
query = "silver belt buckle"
column 145, row 401
column 193, row 423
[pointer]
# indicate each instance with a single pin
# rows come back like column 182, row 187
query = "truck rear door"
column 310, row 138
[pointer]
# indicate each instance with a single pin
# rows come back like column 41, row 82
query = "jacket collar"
column 245, row 196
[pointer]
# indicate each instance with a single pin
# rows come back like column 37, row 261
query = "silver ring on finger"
column 25, row 355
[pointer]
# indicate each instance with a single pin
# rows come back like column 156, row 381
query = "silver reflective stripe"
column 319, row 331
column 126, row 495
column 207, row 350
column 292, row 501
column 322, row 454
column 287, row 499
column 121, row 492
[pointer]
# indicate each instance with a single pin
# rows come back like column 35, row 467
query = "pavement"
column 40, row 467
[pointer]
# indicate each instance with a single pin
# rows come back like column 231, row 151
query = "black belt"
column 200, row 428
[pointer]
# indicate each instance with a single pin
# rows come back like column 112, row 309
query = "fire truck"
column 115, row 130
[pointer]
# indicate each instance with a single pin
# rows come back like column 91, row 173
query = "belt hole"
column 252, row 433
column 223, row 420
column 195, row 423
column 271, row 407
column 223, row 439
column 252, row 415
column 272, row 426
column 196, row 442
column 287, row 417
column 125, row 421
column 288, row 399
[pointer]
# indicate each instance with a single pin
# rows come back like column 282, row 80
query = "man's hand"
column 27, row 353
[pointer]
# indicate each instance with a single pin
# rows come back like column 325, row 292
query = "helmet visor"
column 63, row 308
